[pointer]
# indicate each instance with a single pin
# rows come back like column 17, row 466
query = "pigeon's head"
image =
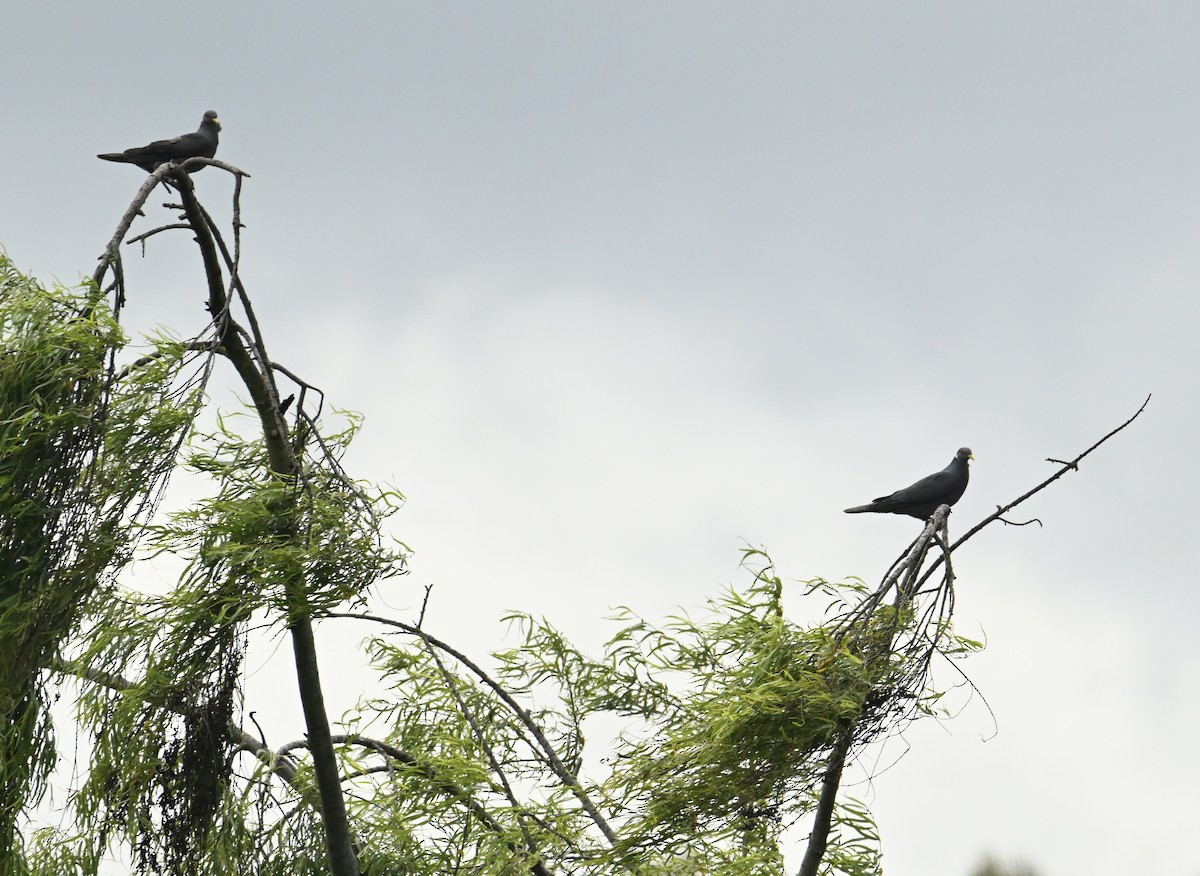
column 964, row 453
column 211, row 116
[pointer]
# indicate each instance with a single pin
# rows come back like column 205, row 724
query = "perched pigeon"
column 922, row 498
column 201, row 143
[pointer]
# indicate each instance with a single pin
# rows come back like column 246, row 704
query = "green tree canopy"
column 737, row 720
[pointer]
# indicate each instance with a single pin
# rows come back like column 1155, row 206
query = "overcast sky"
column 621, row 287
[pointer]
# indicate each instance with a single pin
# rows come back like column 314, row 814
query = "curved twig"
column 1021, row 522
column 566, row 776
column 174, row 226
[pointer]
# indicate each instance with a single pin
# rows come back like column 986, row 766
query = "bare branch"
column 111, row 255
column 1071, row 465
column 174, row 226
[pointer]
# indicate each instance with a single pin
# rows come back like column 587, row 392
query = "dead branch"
column 1071, row 465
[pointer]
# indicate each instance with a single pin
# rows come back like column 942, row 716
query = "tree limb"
column 283, row 463
column 818, row 840
column 1071, row 465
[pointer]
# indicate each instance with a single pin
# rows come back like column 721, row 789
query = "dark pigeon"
column 922, row 498
column 201, row 143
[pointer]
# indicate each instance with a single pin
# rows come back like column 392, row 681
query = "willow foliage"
column 729, row 717
column 85, row 451
column 79, row 458
column 728, row 720
column 167, row 786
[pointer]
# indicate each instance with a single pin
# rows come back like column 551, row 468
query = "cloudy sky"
column 621, row 287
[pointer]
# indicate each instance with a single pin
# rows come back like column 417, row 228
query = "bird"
column 923, row 498
column 201, row 143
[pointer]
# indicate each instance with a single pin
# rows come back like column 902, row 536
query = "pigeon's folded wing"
column 923, row 498
column 201, row 143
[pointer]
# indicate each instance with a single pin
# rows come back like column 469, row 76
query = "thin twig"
column 174, row 226
column 143, row 361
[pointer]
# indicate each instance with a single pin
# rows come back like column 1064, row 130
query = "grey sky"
column 620, row 285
